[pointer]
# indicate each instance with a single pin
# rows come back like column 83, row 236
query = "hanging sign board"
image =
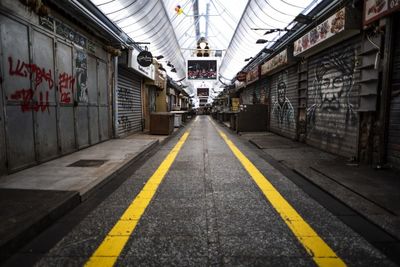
column 145, row 58
column 277, row 61
column 253, row 75
column 148, row 71
column 338, row 27
column 202, row 91
column 241, row 76
column 376, row 9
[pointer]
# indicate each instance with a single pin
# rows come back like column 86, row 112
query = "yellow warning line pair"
column 111, row 247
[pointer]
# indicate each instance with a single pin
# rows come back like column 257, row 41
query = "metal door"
column 332, row 120
column 65, row 97
column 81, row 98
column 104, row 116
column 93, row 100
column 45, row 97
column 393, row 147
column 284, row 98
column 129, row 103
column 3, row 158
column 18, row 94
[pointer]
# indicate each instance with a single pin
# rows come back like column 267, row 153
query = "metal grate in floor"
column 88, row 163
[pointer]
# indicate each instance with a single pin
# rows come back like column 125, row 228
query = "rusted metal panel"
column 393, row 147
column 94, row 124
column 104, row 123
column 92, row 80
column 284, row 102
column 332, row 120
column 3, row 158
column 82, row 126
column 45, row 95
column 67, row 130
column 46, row 134
column 64, row 55
column 102, row 82
column 18, row 92
column 129, row 103
column 3, row 155
column 20, row 139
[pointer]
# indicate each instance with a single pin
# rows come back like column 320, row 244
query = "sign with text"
column 202, row 69
column 376, row 9
column 253, row 75
column 324, row 31
column 203, row 91
column 277, row 61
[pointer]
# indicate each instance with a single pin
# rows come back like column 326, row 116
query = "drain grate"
column 88, row 163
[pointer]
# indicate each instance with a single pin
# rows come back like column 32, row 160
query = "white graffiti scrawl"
column 282, row 109
column 331, row 109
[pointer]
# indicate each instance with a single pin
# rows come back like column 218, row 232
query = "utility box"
column 161, row 123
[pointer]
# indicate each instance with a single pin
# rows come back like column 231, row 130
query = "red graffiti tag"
column 39, row 75
column 66, row 87
column 26, row 97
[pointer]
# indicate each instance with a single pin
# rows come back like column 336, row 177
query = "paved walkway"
column 373, row 193
column 33, row 198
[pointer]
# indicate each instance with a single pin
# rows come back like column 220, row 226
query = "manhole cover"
column 87, row 163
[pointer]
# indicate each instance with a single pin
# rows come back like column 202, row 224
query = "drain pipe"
column 115, row 98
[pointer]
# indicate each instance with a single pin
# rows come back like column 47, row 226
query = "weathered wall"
column 55, row 92
column 393, row 148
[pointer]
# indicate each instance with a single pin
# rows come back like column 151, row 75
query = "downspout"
column 115, row 98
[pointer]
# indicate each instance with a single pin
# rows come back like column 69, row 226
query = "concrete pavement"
column 32, row 199
column 371, row 192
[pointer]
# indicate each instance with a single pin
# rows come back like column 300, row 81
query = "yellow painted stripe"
column 320, row 252
column 109, row 250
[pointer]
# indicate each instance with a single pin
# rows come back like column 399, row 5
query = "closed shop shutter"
column 393, row 151
column 332, row 121
column 129, row 102
column 284, row 98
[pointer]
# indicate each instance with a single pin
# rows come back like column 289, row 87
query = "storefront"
column 283, row 93
column 333, row 82
column 393, row 146
column 56, row 81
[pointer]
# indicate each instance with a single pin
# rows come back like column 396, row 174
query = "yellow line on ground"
column 320, row 252
column 109, row 250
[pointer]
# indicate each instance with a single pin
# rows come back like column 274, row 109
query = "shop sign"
column 239, row 85
column 235, row 104
column 253, row 75
column 376, row 9
column 277, row 61
column 145, row 58
column 202, row 91
column 324, row 31
column 241, row 76
column 148, row 71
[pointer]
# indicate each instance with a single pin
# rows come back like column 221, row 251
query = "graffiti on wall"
column 332, row 87
column 33, row 99
column 282, row 108
column 125, row 98
column 81, row 75
column 124, row 122
column 66, row 87
column 22, row 70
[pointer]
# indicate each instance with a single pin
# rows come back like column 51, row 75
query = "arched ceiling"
column 230, row 26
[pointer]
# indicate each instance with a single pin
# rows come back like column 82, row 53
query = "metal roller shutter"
column 332, row 120
column 129, row 103
column 284, row 102
column 393, row 151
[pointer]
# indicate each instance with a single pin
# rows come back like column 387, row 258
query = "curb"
column 121, row 169
column 8, row 247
